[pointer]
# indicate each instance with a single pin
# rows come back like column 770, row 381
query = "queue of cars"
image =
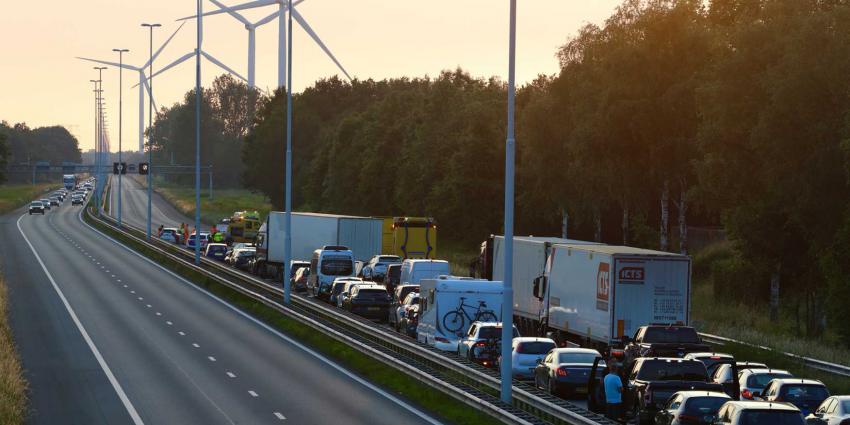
column 57, row 198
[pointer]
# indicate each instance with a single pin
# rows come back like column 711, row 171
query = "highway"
column 109, row 337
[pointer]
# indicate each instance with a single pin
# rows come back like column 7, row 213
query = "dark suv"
column 664, row 341
column 369, row 301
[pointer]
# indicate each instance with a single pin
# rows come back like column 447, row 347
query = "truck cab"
column 327, row 264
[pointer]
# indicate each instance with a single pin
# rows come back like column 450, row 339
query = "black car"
column 392, row 277
column 36, row 207
column 691, row 408
column 369, row 301
column 664, row 341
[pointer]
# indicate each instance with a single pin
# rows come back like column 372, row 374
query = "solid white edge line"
column 424, row 416
column 131, row 410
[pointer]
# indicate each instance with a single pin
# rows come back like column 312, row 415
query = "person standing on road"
column 613, row 393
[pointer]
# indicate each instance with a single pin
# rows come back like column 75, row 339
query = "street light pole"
column 120, row 124
column 150, row 125
column 198, row 135
column 96, row 101
column 99, row 148
column 507, row 291
column 287, row 219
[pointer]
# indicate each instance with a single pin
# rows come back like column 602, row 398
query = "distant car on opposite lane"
column 36, row 207
column 46, row 203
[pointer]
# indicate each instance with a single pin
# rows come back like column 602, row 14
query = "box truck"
column 409, row 237
column 454, row 302
column 530, row 256
column 310, row 231
column 593, row 295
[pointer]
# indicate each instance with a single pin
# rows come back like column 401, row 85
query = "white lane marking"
column 424, row 416
column 195, row 344
column 132, row 292
column 158, row 313
column 169, row 323
column 231, row 374
column 212, row 359
column 125, row 286
column 182, row 333
column 280, row 416
column 118, row 280
column 253, row 394
column 149, row 306
column 131, row 410
column 113, row 276
column 141, row 299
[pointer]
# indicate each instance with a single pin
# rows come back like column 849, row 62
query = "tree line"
column 22, row 145
column 671, row 113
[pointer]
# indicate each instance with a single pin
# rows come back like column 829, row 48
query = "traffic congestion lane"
column 218, row 361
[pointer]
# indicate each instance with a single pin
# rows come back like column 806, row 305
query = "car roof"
column 708, row 354
column 761, row 405
column 217, row 244
column 697, row 393
column 576, row 350
column 533, row 339
column 370, row 286
column 487, row 324
column 803, row 381
column 764, row 371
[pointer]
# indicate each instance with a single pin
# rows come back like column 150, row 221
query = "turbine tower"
column 283, row 6
column 143, row 83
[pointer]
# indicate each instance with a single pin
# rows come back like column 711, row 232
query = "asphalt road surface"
column 107, row 337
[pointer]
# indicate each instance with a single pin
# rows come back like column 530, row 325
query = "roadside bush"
column 737, row 279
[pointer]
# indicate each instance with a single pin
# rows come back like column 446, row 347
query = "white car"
column 346, row 290
column 833, row 411
column 170, row 234
column 410, row 300
column 526, row 352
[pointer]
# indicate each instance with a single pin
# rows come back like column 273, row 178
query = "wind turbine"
column 190, row 55
column 143, row 83
column 283, row 6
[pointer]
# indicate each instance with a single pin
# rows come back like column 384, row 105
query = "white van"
column 449, row 304
column 327, row 264
column 413, row 271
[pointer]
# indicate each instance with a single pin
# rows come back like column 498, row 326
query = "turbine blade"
column 150, row 93
column 158, row 51
column 274, row 15
column 222, row 66
column 171, row 65
column 230, row 12
column 297, row 16
column 115, row 64
column 238, row 7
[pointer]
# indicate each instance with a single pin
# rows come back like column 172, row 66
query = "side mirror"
column 539, row 361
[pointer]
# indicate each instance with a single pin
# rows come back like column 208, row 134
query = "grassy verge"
column 14, row 196
column 223, row 204
column 388, row 378
column 13, row 386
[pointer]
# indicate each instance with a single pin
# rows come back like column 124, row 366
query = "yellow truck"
column 409, row 237
column 243, row 226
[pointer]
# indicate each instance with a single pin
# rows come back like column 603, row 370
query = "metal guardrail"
column 821, row 365
column 457, row 377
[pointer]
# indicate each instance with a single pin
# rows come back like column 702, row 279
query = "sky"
column 41, row 82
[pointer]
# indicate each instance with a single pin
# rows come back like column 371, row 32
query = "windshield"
column 335, row 265
column 534, row 347
column 703, row 406
column 761, row 379
column 802, row 392
column 662, row 370
column 671, row 335
column 774, row 417
column 585, row 358
column 36, row 204
column 389, row 259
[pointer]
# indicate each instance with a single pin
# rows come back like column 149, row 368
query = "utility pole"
column 198, row 135
column 99, row 137
column 287, row 219
column 120, row 125
column 150, row 125
column 507, row 291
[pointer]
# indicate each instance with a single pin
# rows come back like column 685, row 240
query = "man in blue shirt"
column 613, row 393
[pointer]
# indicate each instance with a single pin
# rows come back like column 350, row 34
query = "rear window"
column 245, row 254
column 761, row 379
column 773, row 417
column 535, row 347
column 671, row 335
column 584, row 358
column 373, row 294
column 845, row 405
column 493, row 333
column 801, row 392
column 389, row 259
column 393, row 274
column 661, row 370
column 337, row 265
column 703, row 406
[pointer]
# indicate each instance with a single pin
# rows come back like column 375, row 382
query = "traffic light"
column 143, row 168
column 119, row 168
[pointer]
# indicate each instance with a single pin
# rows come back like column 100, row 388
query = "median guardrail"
column 465, row 381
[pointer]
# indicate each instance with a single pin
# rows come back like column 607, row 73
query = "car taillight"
column 619, row 354
column 480, row 344
column 747, row 394
column 441, row 339
column 562, row 372
column 688, row 418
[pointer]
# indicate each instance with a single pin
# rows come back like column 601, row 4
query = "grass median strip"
column 390, row 379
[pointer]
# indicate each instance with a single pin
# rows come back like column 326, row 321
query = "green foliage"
column 22, row 144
